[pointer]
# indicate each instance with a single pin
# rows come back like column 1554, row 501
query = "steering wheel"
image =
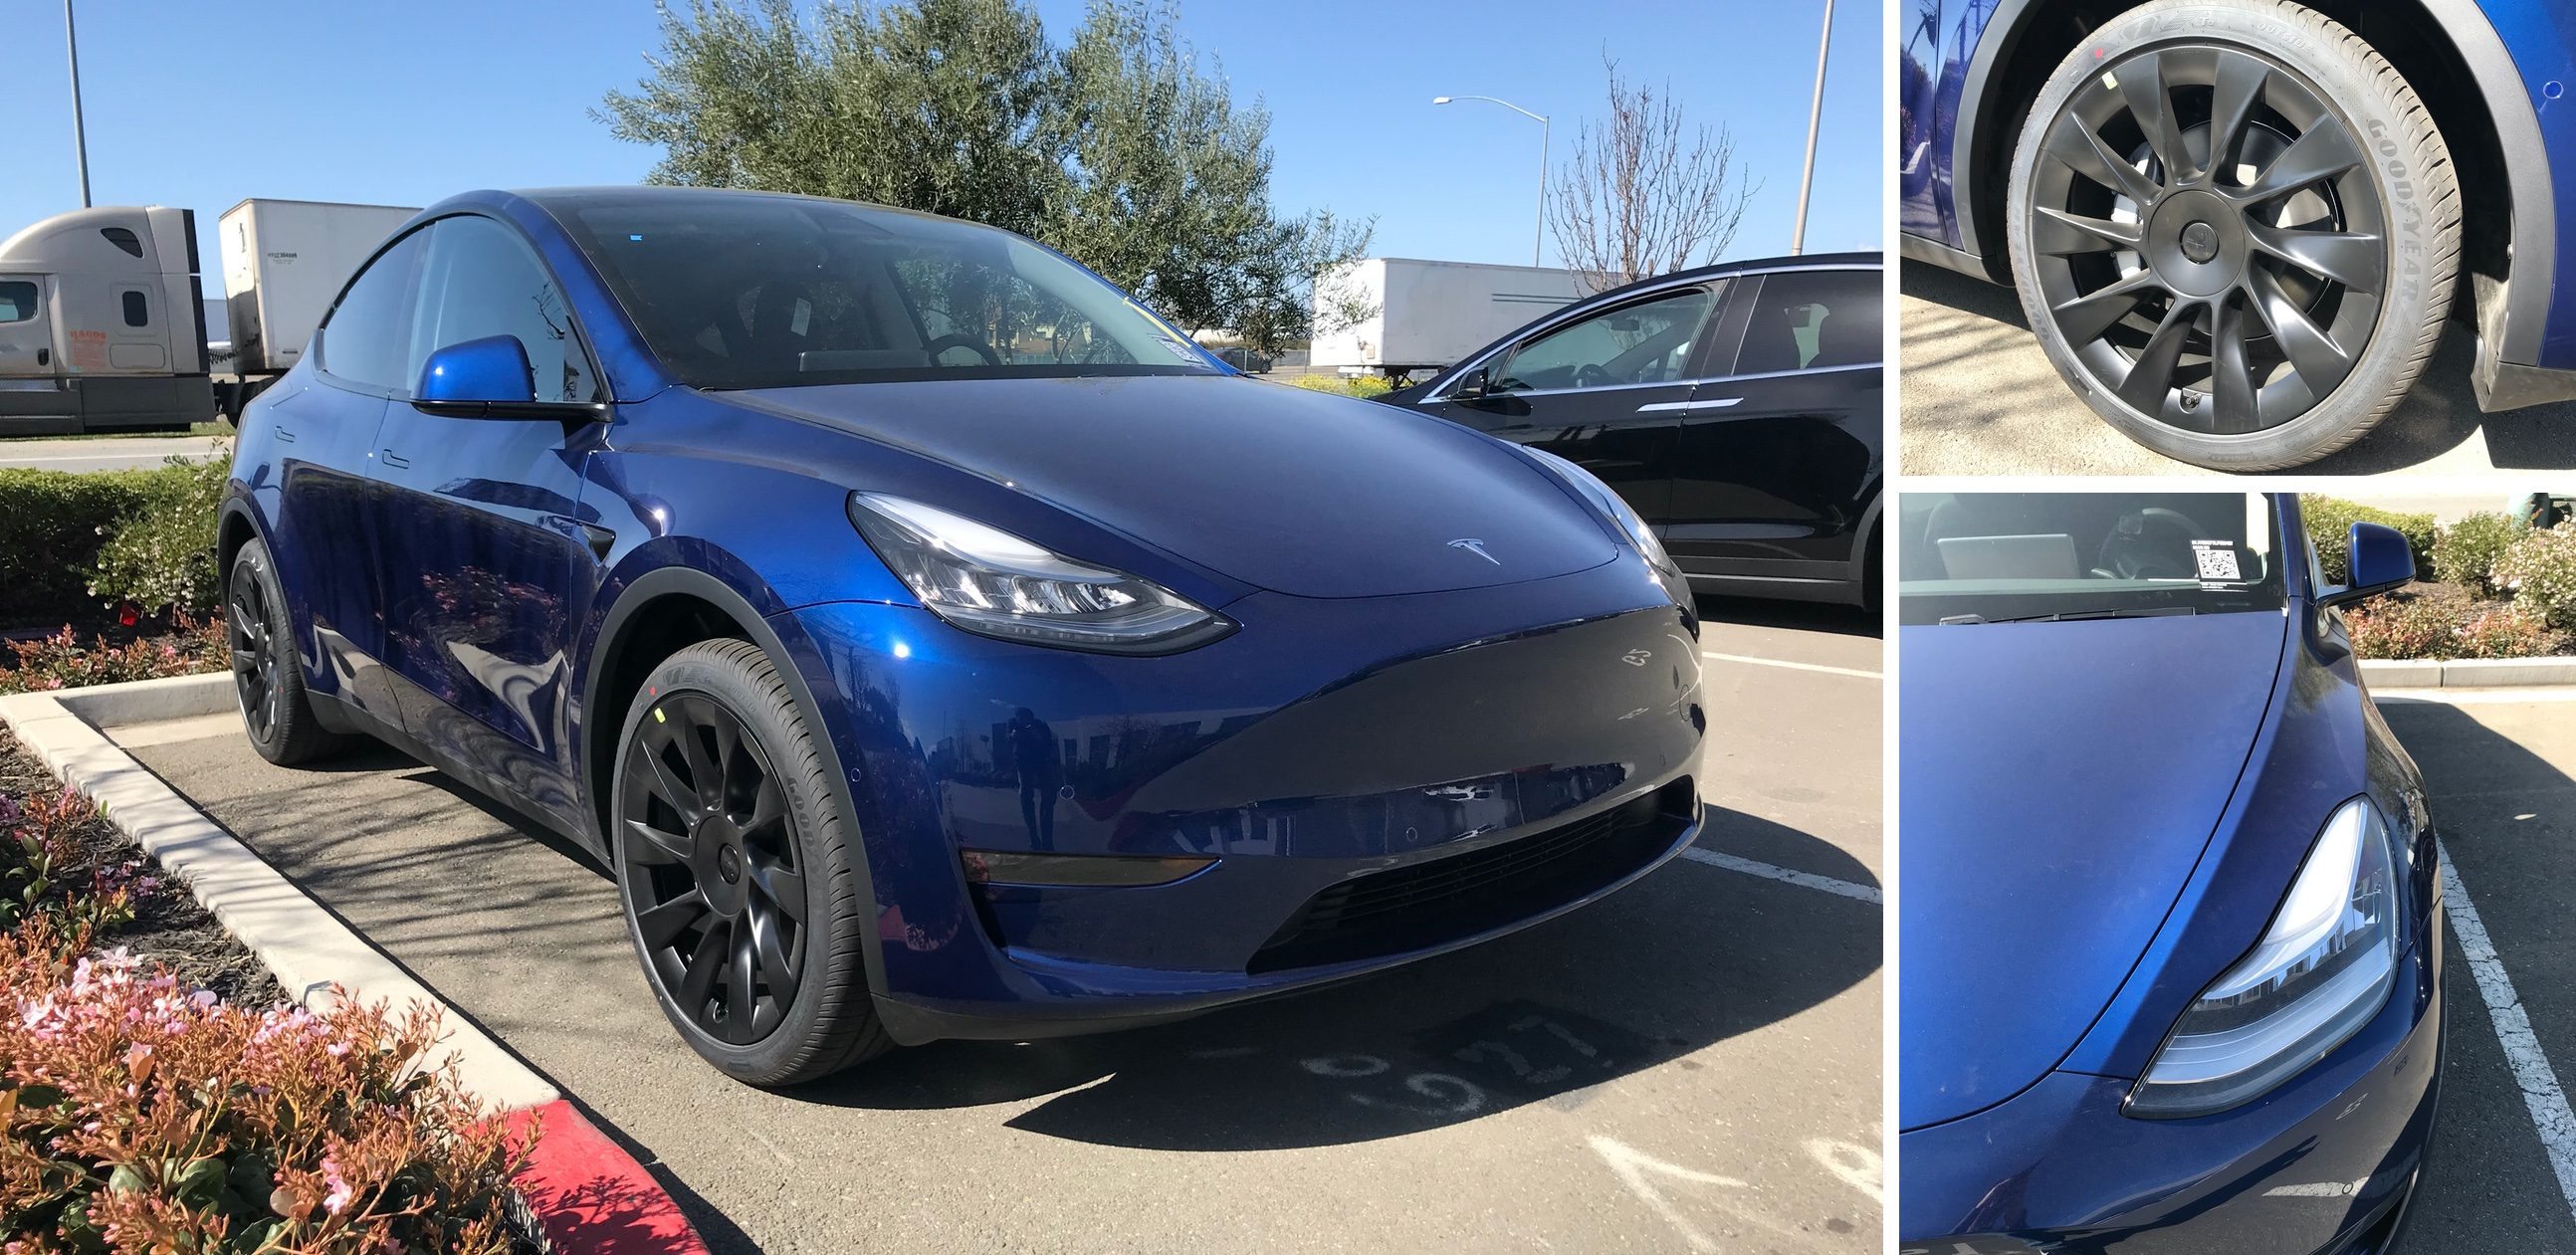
column 2131, row 554
column 1592, row 375
column 960, row 340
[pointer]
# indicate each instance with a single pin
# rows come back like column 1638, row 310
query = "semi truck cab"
column 100, row 324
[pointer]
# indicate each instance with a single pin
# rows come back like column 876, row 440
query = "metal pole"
column 1542, row 190
column 80, row 142
column 1815, row 114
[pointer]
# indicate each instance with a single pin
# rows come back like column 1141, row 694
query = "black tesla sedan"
column 1737, row 407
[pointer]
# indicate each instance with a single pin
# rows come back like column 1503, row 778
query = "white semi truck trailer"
column 1423, row 315
column 103, row 323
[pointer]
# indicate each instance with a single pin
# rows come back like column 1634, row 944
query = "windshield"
column 769, row 291
column 1966, row 558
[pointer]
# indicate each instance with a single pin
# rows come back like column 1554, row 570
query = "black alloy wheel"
column 254, row 654
column 2233, row 252
column 710, row 869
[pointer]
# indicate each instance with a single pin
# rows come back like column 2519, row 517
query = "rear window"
column 763, row 292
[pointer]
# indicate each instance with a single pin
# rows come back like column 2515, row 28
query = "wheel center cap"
column 2200, row 241
column 729, row 864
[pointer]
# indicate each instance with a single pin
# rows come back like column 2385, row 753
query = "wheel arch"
column 655, row 615
column 2447, row 50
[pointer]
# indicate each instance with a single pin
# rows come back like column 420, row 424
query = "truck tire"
column 2255, row 309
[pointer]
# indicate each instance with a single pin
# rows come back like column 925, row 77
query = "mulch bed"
column 171, row 928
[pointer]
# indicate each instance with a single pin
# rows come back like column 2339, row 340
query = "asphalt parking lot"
column 1980, row 398
column 1693, row 1064
column 2500, row 770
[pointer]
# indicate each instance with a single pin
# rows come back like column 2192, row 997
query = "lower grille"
column 1443, row 899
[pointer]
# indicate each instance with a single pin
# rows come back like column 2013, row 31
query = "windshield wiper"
column 2061, row 616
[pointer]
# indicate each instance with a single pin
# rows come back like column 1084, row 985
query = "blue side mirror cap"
column 492, row 371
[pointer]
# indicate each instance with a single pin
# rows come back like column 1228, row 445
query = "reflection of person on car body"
column 1033, row 757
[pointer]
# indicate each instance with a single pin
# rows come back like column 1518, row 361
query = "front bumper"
column 1378, row 780
column 2325, row 1164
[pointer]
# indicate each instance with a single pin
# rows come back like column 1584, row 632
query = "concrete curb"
column 2468, row 673
column 584, row 1194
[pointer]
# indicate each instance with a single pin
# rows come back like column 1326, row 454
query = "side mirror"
column 489, row 378
column 1475, row 385
column 2380, row 561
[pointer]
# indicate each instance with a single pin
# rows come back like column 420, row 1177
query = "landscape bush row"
column 123, row 553
column 145, row 1111
column 2487, row 586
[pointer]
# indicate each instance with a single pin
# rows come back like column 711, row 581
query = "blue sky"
column 204, row 105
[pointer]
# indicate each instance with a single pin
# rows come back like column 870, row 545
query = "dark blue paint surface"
column 466, row 584
column 2101, row 817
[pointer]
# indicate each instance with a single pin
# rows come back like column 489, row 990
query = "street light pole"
column 80, row 142
column 1539, row 238
column 1815, row 114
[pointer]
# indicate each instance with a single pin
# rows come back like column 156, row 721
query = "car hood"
column 1289, row 490
column 2061, row 780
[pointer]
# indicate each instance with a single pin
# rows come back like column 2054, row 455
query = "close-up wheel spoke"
column 2142, row 85
column 666, row 786
column 2325, row 151
column 742, row 984
column 771, row 952
column 648, row 843
column 2153, row 373
column 2355, row 260
column 782, row 885
column 2239, row 404
column 2321, row 363
column 2059, row 233
column 663, row 924
column 2241, row 80
column 706, row 963
column 2086, row 317
column 2082, row 150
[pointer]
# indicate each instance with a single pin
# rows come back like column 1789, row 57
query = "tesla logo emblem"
column 1476, row 547
column 1636, row 657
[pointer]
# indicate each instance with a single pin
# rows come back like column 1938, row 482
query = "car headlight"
column 2322, row 970
column 986, row 580
column 1609, row 502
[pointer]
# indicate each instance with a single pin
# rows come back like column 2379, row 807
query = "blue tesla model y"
column 934, row 642
column 2171, row 934
column 2237, row 226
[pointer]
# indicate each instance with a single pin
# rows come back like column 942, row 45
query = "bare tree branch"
column 1643, row 195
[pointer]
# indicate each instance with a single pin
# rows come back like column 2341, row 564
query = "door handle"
column 396, row 460
column 1675, row 407
column 44, row 357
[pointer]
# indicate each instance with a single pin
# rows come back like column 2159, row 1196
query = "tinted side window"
column 483, row 280
column 1812, row 320
column 17, row 301
column 138, row 311
column 366, row 340
column 1643, row 343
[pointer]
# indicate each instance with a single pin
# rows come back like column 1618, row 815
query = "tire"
column 268, row 678
column 2183, row 321
column 710, row 880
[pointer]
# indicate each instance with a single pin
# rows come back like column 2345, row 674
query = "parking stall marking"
column 1794, row 666
column 2540, row 1092
column 1786, row 875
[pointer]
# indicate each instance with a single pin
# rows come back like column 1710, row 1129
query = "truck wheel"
column 735, row 872
column 2235, row 231
column 268, row 679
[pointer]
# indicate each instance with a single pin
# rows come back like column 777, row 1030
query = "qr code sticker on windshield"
column 2217, row 560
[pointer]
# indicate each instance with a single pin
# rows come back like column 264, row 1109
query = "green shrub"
column 2465, row 553
column 160, row 555
column 1361, row 386
column 2539, row 569
column 2330, row 521
column 50, row 525
column 2444, row 622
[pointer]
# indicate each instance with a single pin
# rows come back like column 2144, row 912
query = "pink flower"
column 337, row 1200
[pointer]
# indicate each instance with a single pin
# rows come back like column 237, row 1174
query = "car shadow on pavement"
column 2504, row 813
column 1803, row 616
column 2439, row 414
column 1689, row 956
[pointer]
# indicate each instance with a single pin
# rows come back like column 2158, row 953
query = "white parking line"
column 1804, row 880
column 2540, row 1091
column 1794, row 666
